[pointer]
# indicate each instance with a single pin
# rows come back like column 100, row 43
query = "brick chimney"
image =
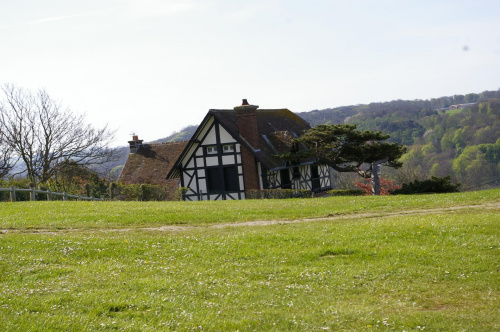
column 247, row 123
column 247, row 126
column 135, row 143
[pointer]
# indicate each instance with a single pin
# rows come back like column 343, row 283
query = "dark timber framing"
column 193, row 172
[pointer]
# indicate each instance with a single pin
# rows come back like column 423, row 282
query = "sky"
column 152, row 67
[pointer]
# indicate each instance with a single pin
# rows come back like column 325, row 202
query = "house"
column 149, row 163
column 461, row 106
column 235, row 150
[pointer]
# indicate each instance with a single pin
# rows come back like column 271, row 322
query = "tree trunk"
column 375, row 180
column 375, row 177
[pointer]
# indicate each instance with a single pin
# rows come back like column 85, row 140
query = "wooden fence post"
column 65, row 197
column 33, row 194
column 13, row 195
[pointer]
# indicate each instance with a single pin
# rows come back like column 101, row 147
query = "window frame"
column 230, row 147
column 221, row 180
column 211, row 149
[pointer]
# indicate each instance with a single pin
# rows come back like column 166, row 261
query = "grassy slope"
column 436, row 271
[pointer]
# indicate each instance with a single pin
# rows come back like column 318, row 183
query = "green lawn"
column 94, row 266
column 61, row 215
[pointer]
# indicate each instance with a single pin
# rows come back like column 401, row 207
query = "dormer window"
column 212, row 149
column 228, row 148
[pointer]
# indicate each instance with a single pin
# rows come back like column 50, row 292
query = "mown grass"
column 433, row 272
column 126, row 214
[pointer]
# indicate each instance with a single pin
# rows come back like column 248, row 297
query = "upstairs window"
column 228, row 148
column 212, row 149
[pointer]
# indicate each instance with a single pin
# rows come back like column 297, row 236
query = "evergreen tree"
column 346, row 149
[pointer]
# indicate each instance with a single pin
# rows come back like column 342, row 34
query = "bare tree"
column 44, row 134
column 7, row 158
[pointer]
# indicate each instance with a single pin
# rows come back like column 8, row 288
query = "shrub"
column 433, row 185
column 345, row 192
column 179, row 193
column 386, row 186
column 4, row 196
column 137, row 192
column 21, row 183
column 277, row 193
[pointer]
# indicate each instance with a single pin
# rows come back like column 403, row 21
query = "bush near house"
column 345, row 192
column 278, row 193
column 137, row 192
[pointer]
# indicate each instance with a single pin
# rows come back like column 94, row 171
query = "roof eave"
column 193, row 140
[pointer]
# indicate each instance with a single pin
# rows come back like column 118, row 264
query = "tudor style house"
column 234, row 151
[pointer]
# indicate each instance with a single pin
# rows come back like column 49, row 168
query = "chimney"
column 249, row 132
column 247, row 123
column 135, row 143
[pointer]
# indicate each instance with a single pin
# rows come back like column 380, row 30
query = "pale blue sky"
column 154, row 66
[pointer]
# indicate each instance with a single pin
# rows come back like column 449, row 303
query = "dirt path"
column 173, row 228
column 366, row 215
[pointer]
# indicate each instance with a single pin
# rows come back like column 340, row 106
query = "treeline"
column 463, row 143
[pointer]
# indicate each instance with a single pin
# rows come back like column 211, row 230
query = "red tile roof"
column 151, row 164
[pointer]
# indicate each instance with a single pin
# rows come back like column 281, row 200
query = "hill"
column 181, row 135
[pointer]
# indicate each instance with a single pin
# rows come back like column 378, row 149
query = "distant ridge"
column 182, row 135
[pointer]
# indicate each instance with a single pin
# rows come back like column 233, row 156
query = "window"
column 225, row 181
column 228, row 148
column 285, row 179
column 316, row 182
column 231, row 179
column 214, row 181
column 211, row 149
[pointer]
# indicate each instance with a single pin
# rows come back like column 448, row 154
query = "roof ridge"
column 258, row 110
column 166, row 143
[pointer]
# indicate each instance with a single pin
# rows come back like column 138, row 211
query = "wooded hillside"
column 463, row 142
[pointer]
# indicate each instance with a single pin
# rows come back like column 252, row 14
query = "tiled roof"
column 277, row 128
column 151, row 164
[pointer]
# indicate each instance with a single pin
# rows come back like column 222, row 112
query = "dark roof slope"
column 151, row 163
column 277, row 128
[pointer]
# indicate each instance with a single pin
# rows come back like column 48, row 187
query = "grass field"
column 403, row 263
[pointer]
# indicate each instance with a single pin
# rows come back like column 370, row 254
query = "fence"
column 49, row 194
